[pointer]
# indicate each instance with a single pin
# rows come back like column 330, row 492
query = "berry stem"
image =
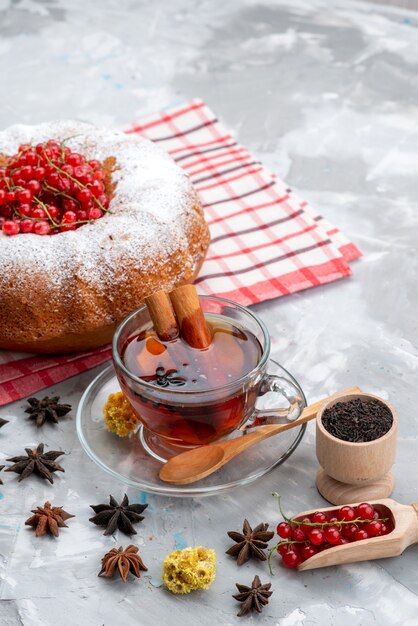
column 292, row 520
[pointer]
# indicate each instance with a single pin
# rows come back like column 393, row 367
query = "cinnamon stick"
column 162, row 315
column 190, row 317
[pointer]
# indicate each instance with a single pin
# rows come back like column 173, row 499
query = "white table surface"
column 325, row 94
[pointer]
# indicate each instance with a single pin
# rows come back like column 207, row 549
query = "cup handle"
column 285, row 388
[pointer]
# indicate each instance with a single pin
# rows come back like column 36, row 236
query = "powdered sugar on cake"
column 152, row 205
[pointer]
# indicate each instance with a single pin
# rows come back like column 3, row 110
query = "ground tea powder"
column 357, row 420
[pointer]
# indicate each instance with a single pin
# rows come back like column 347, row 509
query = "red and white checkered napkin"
column 265, row 241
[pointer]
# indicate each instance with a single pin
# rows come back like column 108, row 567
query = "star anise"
column 254, row 598
column 3, row 422
column 36, row 462
column 49, row 519
column 250, row 542
column 115, row 515
column 1, row 467
column 126, row 560
column 46, row 409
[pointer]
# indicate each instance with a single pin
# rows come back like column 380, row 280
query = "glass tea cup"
column 175, row 419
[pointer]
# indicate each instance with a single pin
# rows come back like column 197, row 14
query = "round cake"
column 68, row 292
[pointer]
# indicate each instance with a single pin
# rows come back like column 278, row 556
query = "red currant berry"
column 24, row 147
column 104, row 201
column 10, row 196
column 39, row 172
column 346, row 514
column 27, row 226
column 84, row 196
column 2, row 196
column 349, row 531
column 82, row 216
column 31, row 158
column 305, row 526
column 282, row 548
column 69, row 217
column 42, row 228
column 6, row 211
column 10, row 228
column 25, row 209
column 38, row 213
column 53, row 211
column 74, row 159
column 26, row 172
column 333, row 519
column 53, row 180
column 94, row 213
column 332, row 535
column 70, row 205
column 53, row 145
column 24, row 196
column 373, row 529
column 97, row 188
column 68, row 169
column 385, row 529
column 364, row 511
column 34, row 186
column 15, row 176
column 64, row 183
column 360, row 535
column 316, row 536
column 291, row 559
column 319, row 518
column 80, row 171
column 307, row 551
column 49, row 169
column 94, row 164
column 65, row 227
column 98, row 175
column 284, row 530
column 298, row 534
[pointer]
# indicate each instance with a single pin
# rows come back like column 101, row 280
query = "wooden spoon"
column 405, row 533
column 193, row 465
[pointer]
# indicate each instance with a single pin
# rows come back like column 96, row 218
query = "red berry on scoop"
column 346, row 513
column 316, row 536
column 364, row 511
column 373, row 528
column 284, row 530
column 291, row 559
column 307, row 551
column 306, row 526
column 349, row 531
column 319, row 518
column 298, row 534
column 360, row 535
column 332, row 535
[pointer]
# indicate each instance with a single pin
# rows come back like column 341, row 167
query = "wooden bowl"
column 355, row 469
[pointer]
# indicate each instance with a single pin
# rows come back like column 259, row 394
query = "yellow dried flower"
column 118, row 414
column 189, row 569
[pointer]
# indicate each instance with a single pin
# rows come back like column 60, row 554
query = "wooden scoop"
column 193, row 465
column 405, row 533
